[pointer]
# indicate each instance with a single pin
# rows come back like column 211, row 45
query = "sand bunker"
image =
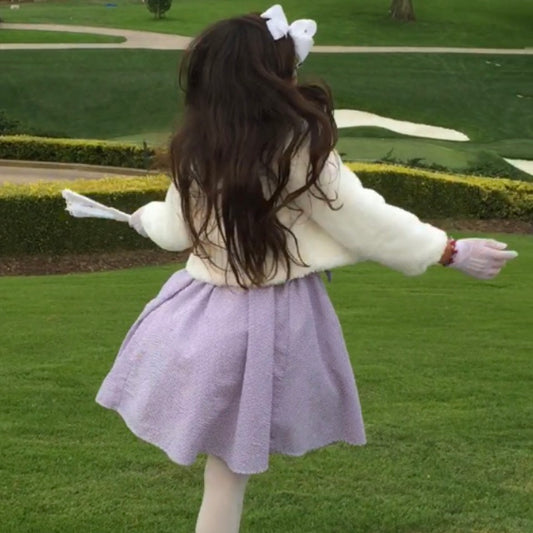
column 348, row 118
column 522, row 164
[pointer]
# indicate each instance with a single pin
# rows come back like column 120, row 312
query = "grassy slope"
column 29, row 36
column 489, row 98
column 373, row 144
column 461, row 92
column 514, row 148
column 488, row 23
column 455, row 157
column 115, row 93
column 91, row 93
column 444, row 373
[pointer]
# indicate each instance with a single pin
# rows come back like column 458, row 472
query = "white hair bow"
column 301, row 31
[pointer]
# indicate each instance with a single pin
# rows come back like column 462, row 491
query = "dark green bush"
column 33, row 218
column 88, row 152
column 433, row 195
column 7, row 124
column 158, row 7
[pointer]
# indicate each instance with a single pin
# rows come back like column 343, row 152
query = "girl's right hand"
column 481, row 258
column 136, row 223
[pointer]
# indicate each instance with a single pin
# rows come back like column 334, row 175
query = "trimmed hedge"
column 89, row 152
column 33, row 217
column 436, row 195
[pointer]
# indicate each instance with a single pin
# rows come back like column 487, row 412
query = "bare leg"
column 221, row 507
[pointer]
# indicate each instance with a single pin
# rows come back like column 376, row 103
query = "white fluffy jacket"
column 364, row 227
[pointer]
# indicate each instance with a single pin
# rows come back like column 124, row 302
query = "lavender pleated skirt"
column 236, row 374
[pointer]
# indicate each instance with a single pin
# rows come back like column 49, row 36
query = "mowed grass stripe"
column 479, row 23
column 118, row 93
column 443, row 365
column 33, row 36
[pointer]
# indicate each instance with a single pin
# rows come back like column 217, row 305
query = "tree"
column 158, row 7
column 402, row 10
column 8, row 126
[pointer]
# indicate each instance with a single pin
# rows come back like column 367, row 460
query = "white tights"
column 221, row 507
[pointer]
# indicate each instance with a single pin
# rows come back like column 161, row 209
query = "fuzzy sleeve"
column 164, row 224
column 365, row 224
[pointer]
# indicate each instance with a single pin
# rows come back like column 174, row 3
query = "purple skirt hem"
column 236, row 374
column 221, row 454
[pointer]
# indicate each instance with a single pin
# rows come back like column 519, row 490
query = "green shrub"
column 89, row 152
column 158, row 7
column 485, row 163
column 7, row 124
column 33, row 217
column 435, row 195
column 11, row 126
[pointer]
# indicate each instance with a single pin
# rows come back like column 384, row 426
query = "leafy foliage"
column 89, row 152
column 158, row 7
column 33, row 217
column 7, row 124
column 437, row 195
column 402, row 10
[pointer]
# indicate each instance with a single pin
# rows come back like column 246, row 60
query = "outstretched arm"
column 163, row 222
column 373, row 230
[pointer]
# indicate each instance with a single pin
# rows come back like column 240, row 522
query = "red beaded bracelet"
column 452, row 243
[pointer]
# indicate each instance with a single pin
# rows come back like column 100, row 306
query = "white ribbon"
column 301, row 31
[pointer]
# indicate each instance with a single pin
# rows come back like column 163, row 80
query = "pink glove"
column 481, row 258
column 136, row 224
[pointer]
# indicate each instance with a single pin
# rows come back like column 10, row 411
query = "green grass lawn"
column 98, row 94
column 487, row 23
column 378, row 144
column 452, row 157
column 114, row 93
column 465, row 92
column 443, row 365
column 132, row 95
column 30, row 36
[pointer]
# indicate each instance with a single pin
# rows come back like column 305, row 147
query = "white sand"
column 348, row 118
column 522, row 164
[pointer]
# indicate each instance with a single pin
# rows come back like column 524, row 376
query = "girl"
column 241, row 354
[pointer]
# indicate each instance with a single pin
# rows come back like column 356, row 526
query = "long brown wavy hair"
column 245, row 118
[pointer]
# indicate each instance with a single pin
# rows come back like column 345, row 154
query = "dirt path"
column 30, row 171
column 166, row 41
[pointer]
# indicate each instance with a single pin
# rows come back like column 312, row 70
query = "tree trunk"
column 402, row 10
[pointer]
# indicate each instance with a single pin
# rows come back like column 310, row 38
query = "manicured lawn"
column 30, row 36
column 97, row 94
column 443, row 364
column 378, row 144
column 132, row 95
column 488, row 23
column 115, row 93
column 455, row 157
column 468, row 93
